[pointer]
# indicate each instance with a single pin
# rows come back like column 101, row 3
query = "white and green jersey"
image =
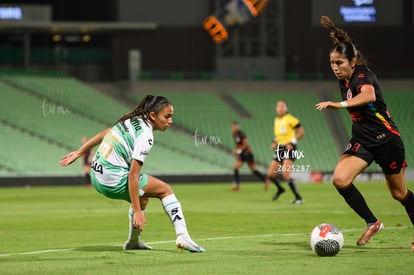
column 129, row 140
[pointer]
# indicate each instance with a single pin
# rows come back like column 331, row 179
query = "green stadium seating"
column 60, row 110
column 69, row 92
column 210, row 115
column 44, row 115
column 206, row 136
column 400, row 105
column 202, row 113
column 23, row 154
column 318, row 147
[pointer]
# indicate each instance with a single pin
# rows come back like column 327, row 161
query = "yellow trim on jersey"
column 284, row 128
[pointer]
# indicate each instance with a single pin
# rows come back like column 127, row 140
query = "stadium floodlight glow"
column 56, row 38
column 11, row 13
column 363, row 2
column 86, row 38
column 235, row 14
column 363, row 11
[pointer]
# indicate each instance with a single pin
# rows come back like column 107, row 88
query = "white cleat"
column 297, row 201
column 185, row 242
column 134, row 245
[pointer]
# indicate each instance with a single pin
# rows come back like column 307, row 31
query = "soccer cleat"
column 235, row 188
column 369, row 232
column 277, row 194
column 184, row 242
column 134, row 245
column 297, row 201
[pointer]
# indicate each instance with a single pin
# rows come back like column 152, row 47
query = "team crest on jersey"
column 349, row 94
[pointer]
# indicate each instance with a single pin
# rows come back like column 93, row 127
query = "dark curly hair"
column 147, row 105
column 342, row 42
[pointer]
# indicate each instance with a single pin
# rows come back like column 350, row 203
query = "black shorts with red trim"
column 246, row 157
column 390, row 156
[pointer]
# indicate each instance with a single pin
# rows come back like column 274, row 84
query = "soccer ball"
column 326, row 240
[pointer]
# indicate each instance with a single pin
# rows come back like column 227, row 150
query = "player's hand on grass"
column 139, row 220
column 69, row 158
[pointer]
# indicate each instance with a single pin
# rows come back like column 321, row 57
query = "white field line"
column 205, row 239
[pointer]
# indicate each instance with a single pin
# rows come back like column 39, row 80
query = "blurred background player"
column 117, row 169
column 374, row 135
column 244, row 154
column 87, row 161
column 288, row 132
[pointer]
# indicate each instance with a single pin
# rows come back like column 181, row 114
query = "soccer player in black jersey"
column 375, row 136
column 244, row 154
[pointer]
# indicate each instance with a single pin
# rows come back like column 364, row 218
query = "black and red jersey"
column 239, row 138
column 372, row 124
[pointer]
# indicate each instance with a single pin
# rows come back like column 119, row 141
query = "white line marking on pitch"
column 205, row 239
column 37, row 252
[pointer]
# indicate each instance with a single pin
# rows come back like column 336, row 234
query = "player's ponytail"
column 147, row 105
column 342, row 42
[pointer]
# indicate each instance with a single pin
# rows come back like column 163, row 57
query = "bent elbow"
column 373, row 98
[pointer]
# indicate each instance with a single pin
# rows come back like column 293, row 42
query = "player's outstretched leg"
column 369, row 232
column 357, row 202
column 280, row 189
column 174, row 211
column 399, row 191
column 294, row 188
column 156, row 188
column 272, row 175
column 408, row 203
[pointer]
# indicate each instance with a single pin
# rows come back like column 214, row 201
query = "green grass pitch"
column 75, row 230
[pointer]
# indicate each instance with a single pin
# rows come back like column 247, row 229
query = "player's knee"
column 340, row 180
column 398, row 195
column 143, row 203
column 272, row 173
column 286, row 176
column 166, row 190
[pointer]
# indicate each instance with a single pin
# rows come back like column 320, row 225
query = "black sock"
column 259, row 175
column 408, row 203
column 236, row 177
column 88, row 178
column 276, row 182
column 357, row 202
column 294, row 189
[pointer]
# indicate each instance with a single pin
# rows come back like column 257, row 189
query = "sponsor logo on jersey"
column 349, row 94
column 393, row 165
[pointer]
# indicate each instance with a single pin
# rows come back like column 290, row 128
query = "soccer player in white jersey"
column 116, row 170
